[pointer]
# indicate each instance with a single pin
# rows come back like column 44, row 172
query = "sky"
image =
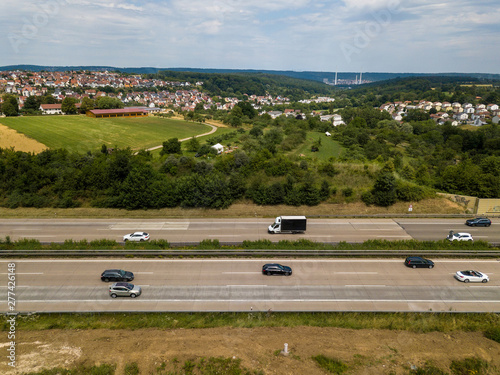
column 417, row 36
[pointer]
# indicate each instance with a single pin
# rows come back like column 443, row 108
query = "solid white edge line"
column 138, row 299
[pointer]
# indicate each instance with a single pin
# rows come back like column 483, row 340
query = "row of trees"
column 56, row 178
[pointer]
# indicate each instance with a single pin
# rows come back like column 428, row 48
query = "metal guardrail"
column 250, row 253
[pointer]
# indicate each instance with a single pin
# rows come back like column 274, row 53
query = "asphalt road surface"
column 237, row 230
column 238, row 285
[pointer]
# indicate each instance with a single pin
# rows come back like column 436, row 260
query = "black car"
column 276, row 269
column 478, row 222
column 117, row 275
column 418, row 262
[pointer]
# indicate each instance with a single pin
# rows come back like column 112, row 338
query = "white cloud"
column 417, row 35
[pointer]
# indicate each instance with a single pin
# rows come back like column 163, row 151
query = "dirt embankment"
column 365, row 351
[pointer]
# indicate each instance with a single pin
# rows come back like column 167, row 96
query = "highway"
column 45, row 285
column 237, row 230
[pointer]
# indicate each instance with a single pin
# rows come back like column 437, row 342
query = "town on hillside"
column 156, row 95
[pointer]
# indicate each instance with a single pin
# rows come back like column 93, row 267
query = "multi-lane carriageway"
column 237, row 230
column 237, row 284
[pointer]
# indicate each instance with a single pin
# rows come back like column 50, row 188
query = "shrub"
column 493, row 334
column 332, row 365
column 467, row 366
column 428, row 370
column 347, row 192
column 131, row 369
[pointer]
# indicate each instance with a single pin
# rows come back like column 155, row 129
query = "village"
column 155, row 95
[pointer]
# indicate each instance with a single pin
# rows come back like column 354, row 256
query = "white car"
column 471, row 276
column 136, row 237
column 460, row 237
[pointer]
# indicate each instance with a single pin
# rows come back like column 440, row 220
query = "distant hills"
column 308, row 75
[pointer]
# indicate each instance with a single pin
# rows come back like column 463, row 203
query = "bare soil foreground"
column 364, row 351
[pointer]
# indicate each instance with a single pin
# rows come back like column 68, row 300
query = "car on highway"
column 124, row 290
column 472, row 276
column 459, row 237
column 276, row 269
column 478, row 222
column 116, row 275
column 418, row 262
column 136, row 237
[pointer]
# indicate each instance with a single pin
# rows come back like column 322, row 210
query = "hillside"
column 308, row 75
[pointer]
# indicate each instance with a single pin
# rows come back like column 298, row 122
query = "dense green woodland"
column 395, row 161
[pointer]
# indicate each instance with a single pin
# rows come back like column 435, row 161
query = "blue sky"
column 421, row 36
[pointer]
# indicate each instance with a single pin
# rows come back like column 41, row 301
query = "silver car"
column 124, row 290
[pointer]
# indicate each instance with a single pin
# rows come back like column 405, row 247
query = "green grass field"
column 328, row 148
column 81, row 133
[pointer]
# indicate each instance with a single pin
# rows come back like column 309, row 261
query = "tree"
column 106, row 102
column 384, row 190
column 9, row 109
column 247, row 109
column 172, row 146
column 10, row 106
column 193, row 144
column 68, row 106
column 87, row 105
column 30, row 104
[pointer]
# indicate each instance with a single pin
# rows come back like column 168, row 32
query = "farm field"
column 80, row 133
column 9, row 138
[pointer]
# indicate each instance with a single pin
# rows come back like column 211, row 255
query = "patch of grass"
column 328, row 148
column 469, row 366
column 208, row 366
column 104, row 369
column 428, row 369
column 242, row 209
column 493, row 333
column 131, row 369
column 214, row 244
column 82, row 133
column 412, row 322
column 332, row 365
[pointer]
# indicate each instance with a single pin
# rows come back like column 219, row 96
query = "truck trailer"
column 288, row 224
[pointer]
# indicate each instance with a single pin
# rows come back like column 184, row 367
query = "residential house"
column 337, row 120
column 461, row 116
column 274, row 114
column 325, row 117
column 51, row 109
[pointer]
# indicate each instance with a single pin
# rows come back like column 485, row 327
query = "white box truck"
column 288, row 224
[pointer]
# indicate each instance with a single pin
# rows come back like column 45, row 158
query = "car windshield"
column 121, row 272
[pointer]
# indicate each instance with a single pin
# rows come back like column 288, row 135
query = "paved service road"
column 238, row 285
column 237, row 230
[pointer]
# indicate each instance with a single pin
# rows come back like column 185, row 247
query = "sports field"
column 80, row 133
